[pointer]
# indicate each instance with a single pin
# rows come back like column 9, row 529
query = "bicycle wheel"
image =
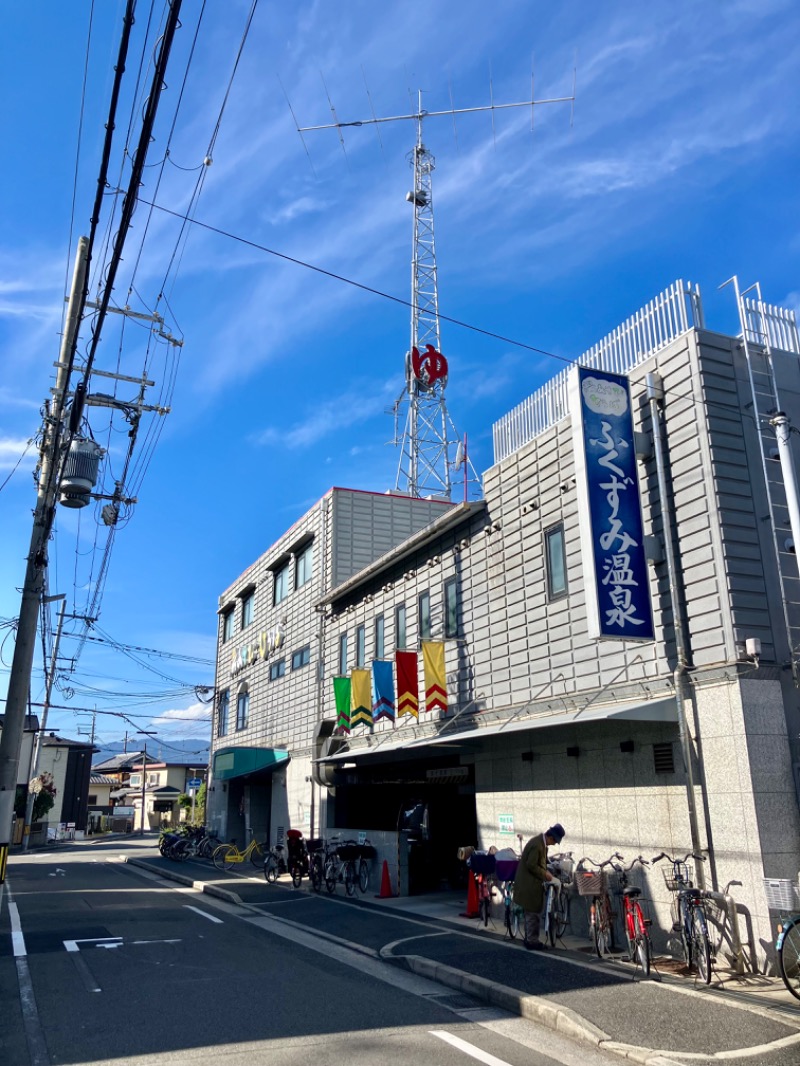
column 517, row 920
column 297, row 874
column 270, row 869
column 179, row 850
column 258, row 854
column 788, row 948
column 601, row 929
column 363, row 876
column 225, row 857
column 512, row 927
column 315, row 873
column 641, row 943
column 550, row 921
column 483, row 910
column 561, row 913
column 350, row 878
column 330, row 877
column 700, row 946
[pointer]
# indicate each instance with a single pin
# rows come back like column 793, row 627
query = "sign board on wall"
column 609, row 507
column 506, row 823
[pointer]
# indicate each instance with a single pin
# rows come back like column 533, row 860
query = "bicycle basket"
column 781, row 894
column 348, row 852
column 481, row 862
column 678, row 876
column 590, row 882
column 366, row 851
column 506, row 869
column 316, row 844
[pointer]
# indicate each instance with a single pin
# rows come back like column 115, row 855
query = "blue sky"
column 681, row 162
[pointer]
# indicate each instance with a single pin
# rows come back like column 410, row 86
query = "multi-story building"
column 665, row 717
column 270, row 695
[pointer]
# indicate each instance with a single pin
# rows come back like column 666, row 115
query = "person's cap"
column 556, row 832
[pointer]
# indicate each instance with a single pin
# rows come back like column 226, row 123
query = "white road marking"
column 100, row 941
column 17, row 938
column 205, row 914
column 156, row 941
column 468, row 1049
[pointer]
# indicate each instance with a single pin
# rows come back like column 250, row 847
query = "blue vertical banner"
column 610, row 509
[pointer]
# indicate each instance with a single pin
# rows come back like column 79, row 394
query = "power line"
column 118, row 646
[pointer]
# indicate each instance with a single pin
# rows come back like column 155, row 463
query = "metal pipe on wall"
column 655, row 394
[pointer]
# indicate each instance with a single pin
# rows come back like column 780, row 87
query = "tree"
column 44, row 791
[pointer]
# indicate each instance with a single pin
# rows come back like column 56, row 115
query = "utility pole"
column 37, row 743
column 144, row 733
column 33, row 587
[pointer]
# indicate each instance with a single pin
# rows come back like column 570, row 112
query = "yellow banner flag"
column 360, row 698
column 435, row 677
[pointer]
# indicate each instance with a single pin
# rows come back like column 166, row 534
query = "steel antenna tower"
column 424, row 467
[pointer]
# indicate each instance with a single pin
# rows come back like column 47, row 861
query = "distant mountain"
column 192, row 752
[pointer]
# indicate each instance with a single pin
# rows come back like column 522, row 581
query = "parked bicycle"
column 340, row 867
column 483, row 865
column 226, row 856
column 513, row 914
column 316, row 863
column 275, row 863
column 297, row 860
column 637, row 927
column 689, row 913
column 556, row 898
column 593, row 885
column 196, row 843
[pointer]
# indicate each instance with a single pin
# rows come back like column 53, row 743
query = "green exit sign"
column 506, row 822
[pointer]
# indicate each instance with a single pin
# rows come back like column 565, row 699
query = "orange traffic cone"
column 386, row 884
column 473, row 908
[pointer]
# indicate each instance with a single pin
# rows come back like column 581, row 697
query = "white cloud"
column 195, row 712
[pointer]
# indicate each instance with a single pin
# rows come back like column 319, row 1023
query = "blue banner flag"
column 382, row 690
column 615, row 568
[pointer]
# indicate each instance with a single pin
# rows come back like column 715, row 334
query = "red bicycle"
column 637, row 927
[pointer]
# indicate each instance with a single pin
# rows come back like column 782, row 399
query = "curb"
column 189, row 882
column 568, row 1022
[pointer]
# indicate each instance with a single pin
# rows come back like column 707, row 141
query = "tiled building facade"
column 545, row 721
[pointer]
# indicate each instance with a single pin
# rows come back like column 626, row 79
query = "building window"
column 277, row 669
column 247, row 609
column 227, row 626
column 222, row 712
column 342, row 654
column 400, row 627
column 301, row 657
column 302, row 567
column 380, row 637
column 135, row 779
column 242, row 708
column 92, row 800
column 361, row 647
column 153, row 779
column 451, row 608
column 280, row 588
column 425, row 616
column 556, row 562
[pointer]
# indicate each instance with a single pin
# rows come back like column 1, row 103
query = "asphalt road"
column 116, row 967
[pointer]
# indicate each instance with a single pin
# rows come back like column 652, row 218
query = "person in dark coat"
column 529, row 883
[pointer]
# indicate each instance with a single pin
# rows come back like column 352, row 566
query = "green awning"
column 235, row 762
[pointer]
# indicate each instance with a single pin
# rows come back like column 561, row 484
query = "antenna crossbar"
column 418, row 116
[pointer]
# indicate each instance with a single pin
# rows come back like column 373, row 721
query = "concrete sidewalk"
column 667, row 1018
